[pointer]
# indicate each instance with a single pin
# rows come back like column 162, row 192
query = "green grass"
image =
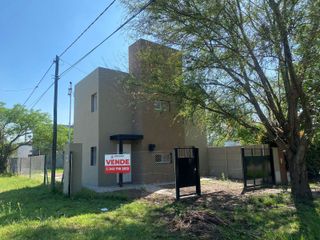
column 275, row 216
column 38, row 175
column 272, row 216
column 29, row 210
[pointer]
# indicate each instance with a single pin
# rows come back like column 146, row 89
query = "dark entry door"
column 258, row 167
column 187, row 169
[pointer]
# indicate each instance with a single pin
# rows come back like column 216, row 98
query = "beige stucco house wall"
column 86, row 128
column 116, row 113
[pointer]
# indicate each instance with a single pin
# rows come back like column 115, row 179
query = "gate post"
column 70, row 173
column 44, row 169
column 176, row 166
column 244, row 169
column 272, row 166
column 196, row 158
column 30, row 167
column 120, row 152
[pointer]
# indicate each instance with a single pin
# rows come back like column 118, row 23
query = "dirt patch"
column 200, row 223
column 207, row 216
column 221, row 190
column 213, row 213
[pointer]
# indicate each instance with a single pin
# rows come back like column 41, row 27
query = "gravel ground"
column 211, row 186
column 224, row 190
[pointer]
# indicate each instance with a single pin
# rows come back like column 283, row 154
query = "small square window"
column 161, row 106
column 93, row 156
column 163, row 158
column 94, row 102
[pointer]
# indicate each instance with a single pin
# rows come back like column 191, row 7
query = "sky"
column 33, row 32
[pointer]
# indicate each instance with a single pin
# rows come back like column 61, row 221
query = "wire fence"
column 33, row 167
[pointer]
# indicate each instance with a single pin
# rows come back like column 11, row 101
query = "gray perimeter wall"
column 227, row 161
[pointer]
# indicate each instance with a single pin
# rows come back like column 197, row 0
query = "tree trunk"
column 3, row 164
column 298, row 173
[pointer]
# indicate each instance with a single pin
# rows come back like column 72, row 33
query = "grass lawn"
column 39, row 174
column 271, row 216
column 29, row 210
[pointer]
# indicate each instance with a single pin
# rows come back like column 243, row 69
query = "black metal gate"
column 187, row 169
column 258, row 167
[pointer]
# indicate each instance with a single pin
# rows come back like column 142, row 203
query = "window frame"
column 165, row 158
column 93, row 156
column 94, row 102
column 161, row 106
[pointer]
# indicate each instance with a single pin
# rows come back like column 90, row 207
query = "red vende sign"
column 117, row 163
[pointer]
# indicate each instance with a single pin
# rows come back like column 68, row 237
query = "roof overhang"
column 126, row 137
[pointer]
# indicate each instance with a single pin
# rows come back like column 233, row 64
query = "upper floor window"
column 94, row 104
column 161, row 106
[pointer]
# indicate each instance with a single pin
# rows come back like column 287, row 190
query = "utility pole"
column 70, row 101
column 54, row 135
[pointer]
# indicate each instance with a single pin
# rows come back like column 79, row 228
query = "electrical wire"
column 88, row 53
column 80, row 70
column 90, row 25
column 37, row 85
column 84, row 31
column 109, row 36
column 41, row 96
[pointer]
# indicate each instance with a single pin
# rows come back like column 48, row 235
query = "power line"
column 109, row 36
column 90, row 25
column 79, row 69
column 84, row 56
column 37, row 85
column 41, row 96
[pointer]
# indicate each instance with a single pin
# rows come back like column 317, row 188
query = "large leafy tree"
column 42, row 138
column 16, row 127
column 245, row 63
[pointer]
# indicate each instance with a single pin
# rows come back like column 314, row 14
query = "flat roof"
column 126, row 137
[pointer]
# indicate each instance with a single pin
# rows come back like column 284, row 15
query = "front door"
column 126, row 176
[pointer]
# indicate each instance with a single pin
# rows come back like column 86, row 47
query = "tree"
column 42, row 138
column 249, row 63
column 16, row 127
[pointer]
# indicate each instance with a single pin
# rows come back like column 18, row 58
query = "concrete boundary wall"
column 73, row 176
column 226, row 161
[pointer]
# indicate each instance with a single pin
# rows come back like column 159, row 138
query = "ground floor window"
column 93, row 156
column 163, row 157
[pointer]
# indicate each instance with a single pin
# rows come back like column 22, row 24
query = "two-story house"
column 104, row 115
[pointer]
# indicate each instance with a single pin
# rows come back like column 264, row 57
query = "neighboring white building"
column 24, row 151
column 231, row 143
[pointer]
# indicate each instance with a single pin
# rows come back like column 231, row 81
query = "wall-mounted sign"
column 117, row 163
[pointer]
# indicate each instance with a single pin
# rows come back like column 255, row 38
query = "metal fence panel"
column 258, row 168
column 33, row 166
